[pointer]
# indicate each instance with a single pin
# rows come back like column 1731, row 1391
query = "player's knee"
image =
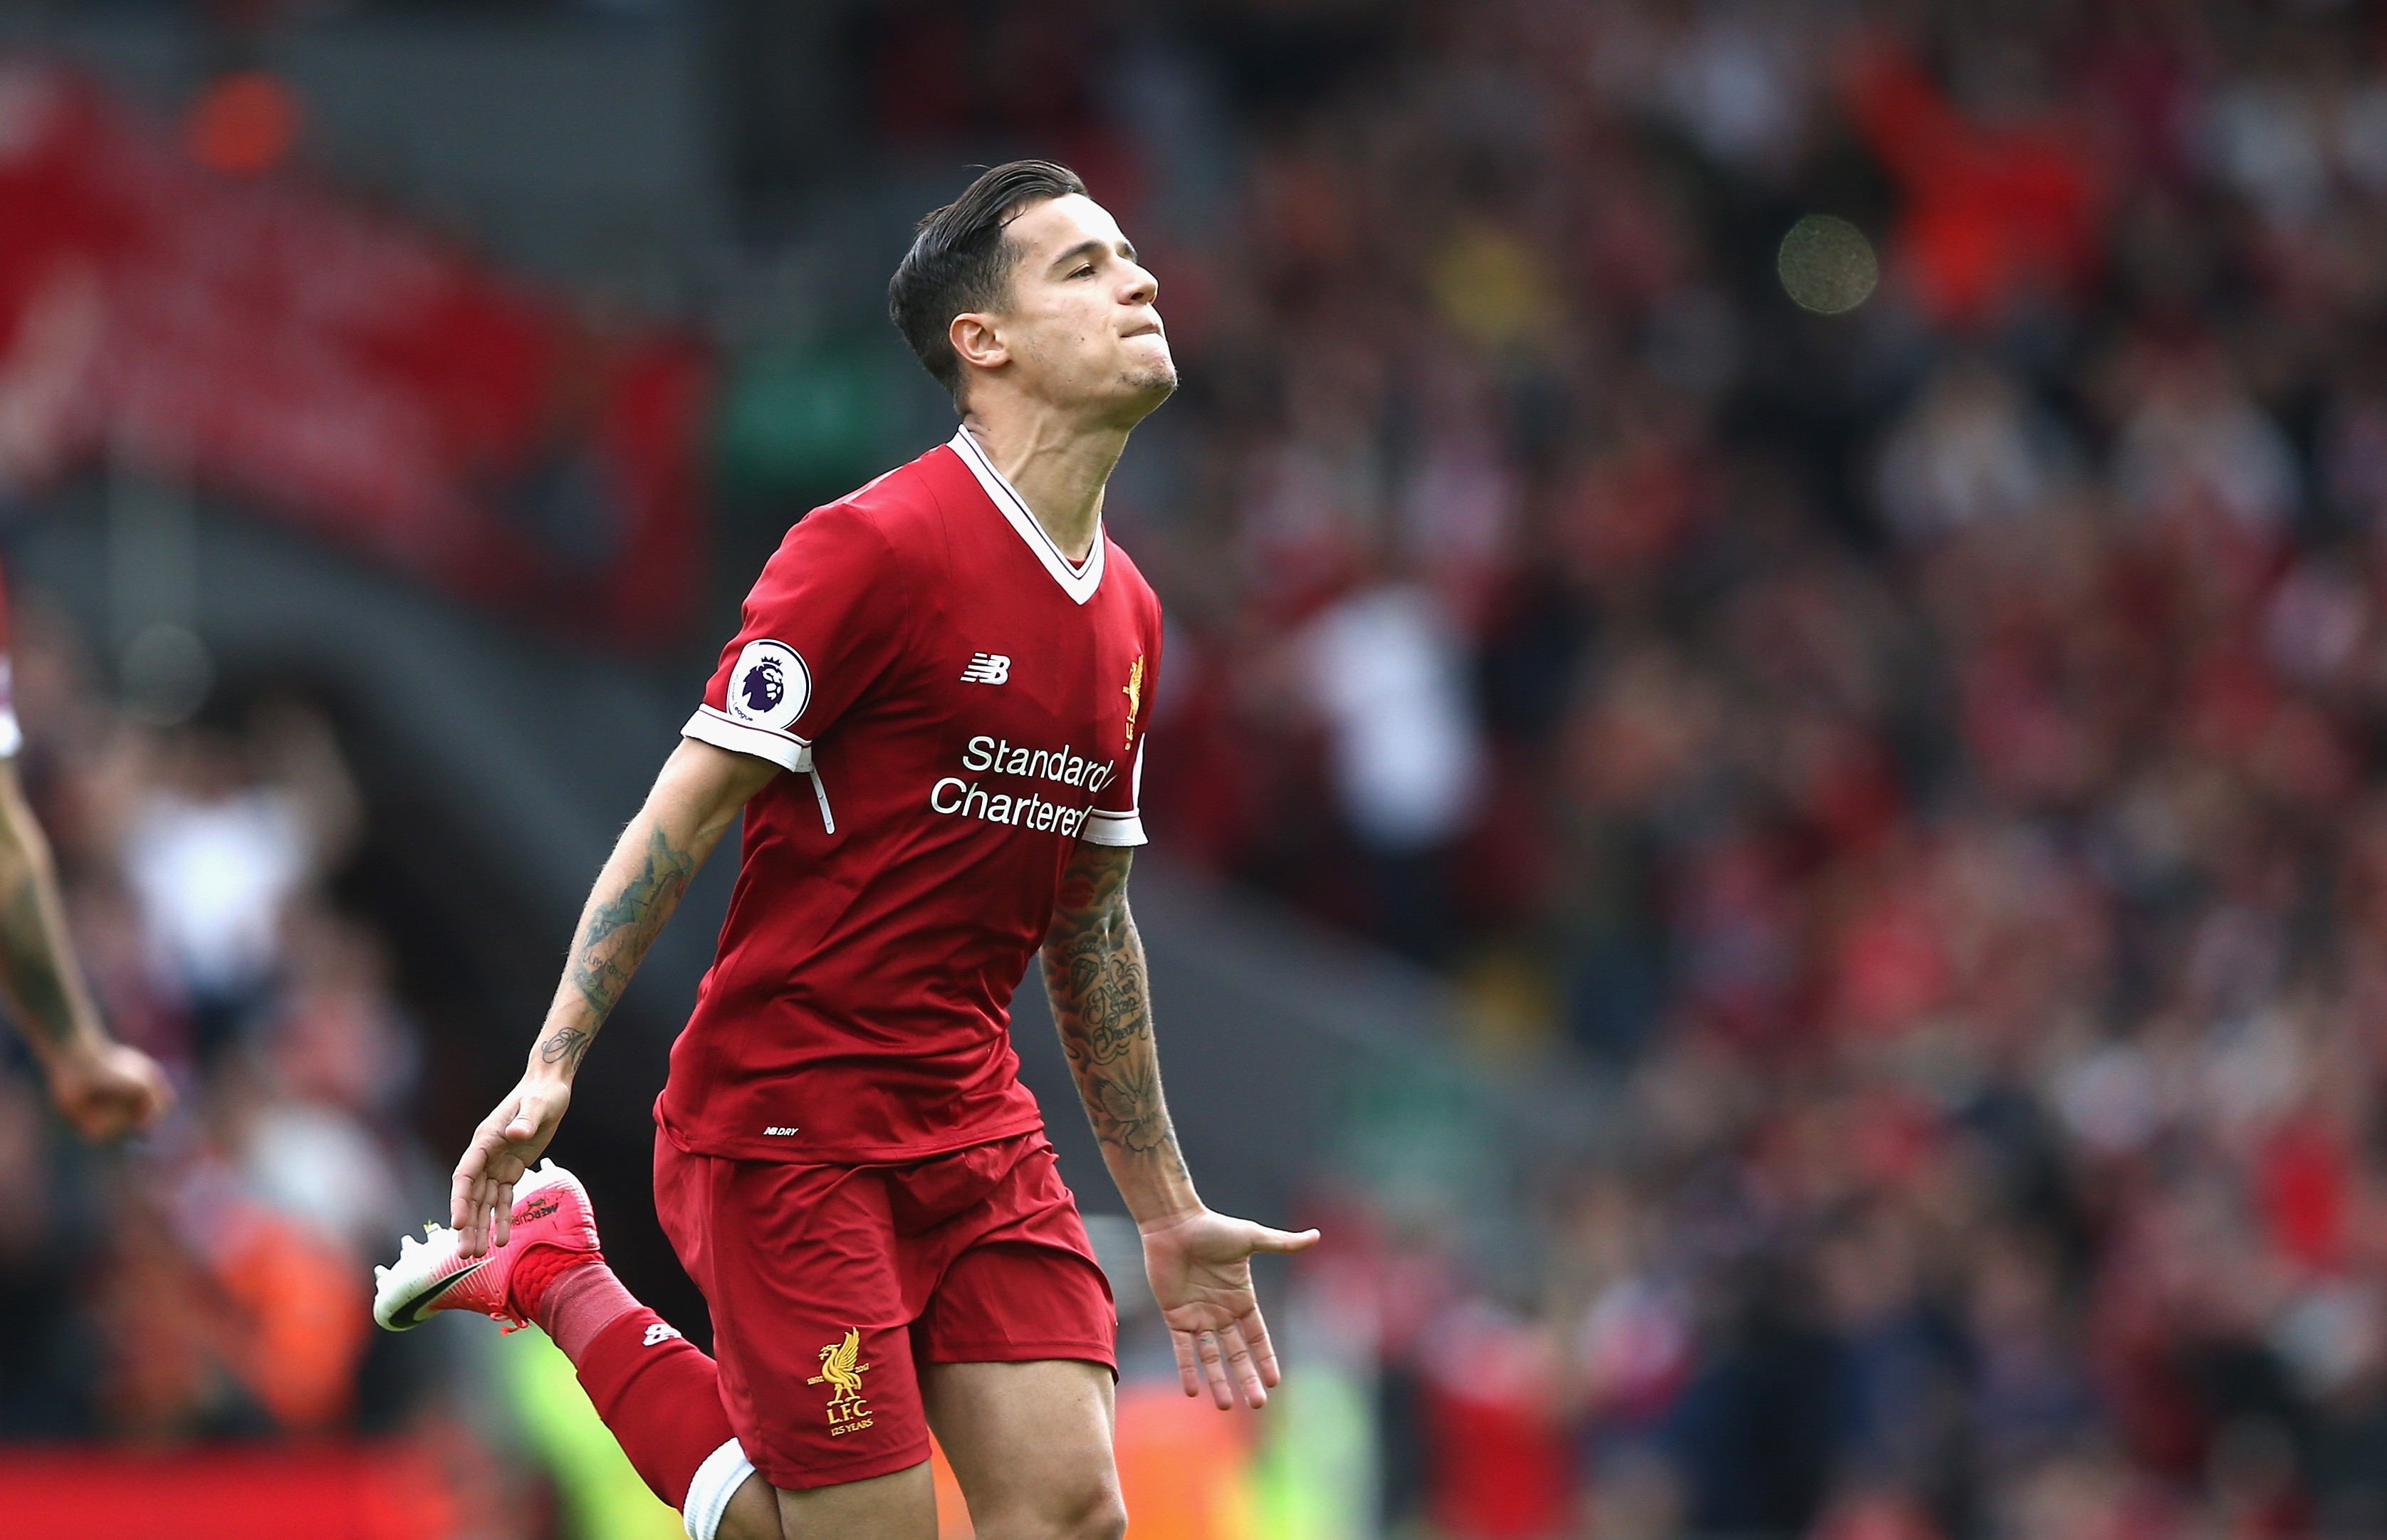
column 1104, row 1517
column 1088, row 1511
column 1099, row 1516
column 1096, row 1512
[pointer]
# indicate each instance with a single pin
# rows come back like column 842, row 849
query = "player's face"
column 1080, row 329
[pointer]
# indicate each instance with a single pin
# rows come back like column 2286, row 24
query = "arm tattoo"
column 565, row 1047
column 1126, row 1109
column 617, row 936
column 30, row 947
column 1102, row 1002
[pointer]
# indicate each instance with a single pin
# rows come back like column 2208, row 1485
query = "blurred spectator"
column 1382, row 665
column 1970, row 452
column 221, row 836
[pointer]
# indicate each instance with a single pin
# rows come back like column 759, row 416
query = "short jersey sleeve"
column 822, row 621
column 1117, row 816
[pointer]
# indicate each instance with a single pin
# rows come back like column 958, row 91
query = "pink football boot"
column 550, row 1209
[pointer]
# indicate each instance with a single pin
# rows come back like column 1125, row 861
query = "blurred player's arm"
column 694, row 801
column 1199, row 1262
column 103, row 1087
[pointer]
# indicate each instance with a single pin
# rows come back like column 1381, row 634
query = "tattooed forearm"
column 1110, row 997
column 565, row 1047
column 694, row 803
column 618, row 932
column 1127, row 1111
column 1102, row 1000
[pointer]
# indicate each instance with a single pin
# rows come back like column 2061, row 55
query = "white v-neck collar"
column 1078, row 581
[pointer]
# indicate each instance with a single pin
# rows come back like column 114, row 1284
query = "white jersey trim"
column 1105, row 827
column 1079, row 582
column 1113, row 828
column 784, row 750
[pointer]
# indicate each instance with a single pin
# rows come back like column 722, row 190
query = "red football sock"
column 578, row 1303
column 537, row 1271
column 660, row 1397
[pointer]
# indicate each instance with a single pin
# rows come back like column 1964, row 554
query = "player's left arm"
column 1199, row 1261
column 105, row 1088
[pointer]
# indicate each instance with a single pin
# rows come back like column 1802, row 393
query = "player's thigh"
column 752, row 1513
column 1031, row 1443
column 901, row 1505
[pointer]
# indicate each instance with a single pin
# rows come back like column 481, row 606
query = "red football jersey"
column 956, row 705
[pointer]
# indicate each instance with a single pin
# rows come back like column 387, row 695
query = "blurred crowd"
column 1926, row 758
column 215, row 1279
column 1921, row 761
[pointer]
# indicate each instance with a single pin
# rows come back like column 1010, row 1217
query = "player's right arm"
column 824, row 619
column 695, row 799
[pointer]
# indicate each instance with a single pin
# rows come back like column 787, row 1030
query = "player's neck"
column 1058, row 467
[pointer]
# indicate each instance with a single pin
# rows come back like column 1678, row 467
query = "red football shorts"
column 832, row 1285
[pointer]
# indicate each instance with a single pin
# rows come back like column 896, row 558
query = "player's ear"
column 976, row 340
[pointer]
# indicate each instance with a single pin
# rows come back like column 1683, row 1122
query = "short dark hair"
column 960, row 262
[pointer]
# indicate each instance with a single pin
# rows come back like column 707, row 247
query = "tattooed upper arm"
column 1094, row 969
column 1101, row 1003
column 1093, row 890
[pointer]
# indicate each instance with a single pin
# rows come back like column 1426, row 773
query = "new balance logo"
column 776, row 1131
column 659, row 1332
column 987, row 668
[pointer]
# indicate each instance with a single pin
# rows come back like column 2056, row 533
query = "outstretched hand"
column 1201, row 1272
column 481, row 1198
column 108, row 1090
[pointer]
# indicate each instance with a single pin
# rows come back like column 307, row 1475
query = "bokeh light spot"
column 1828, row 265
column 244, row 124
